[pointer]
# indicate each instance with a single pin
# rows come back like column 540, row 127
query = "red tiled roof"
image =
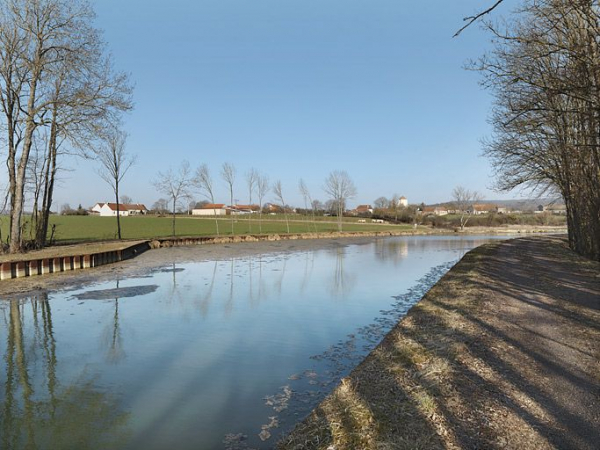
column 250, row 207
column 484, row 207
column 213, row 206
column 125, row 206
column 434, row 209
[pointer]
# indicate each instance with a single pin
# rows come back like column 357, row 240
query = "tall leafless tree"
column 115, row 162
column 545, row 74
column 307, row 201
column 340, row 188
column 176, row 185
column 53, row 73
column 204, row 182
column 278, row 190
column 228, row 175
column 464, row 199
column 262, row 189
column 251, row 179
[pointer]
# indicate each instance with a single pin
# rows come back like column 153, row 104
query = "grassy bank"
column 502, row 353
column 70, row 229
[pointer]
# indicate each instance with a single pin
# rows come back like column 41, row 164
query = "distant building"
column 271, row 208
column 243, row 209
column 402, row 201
column 108, row 209
column 553, row 208
column 434, row 211
column 363, row 209
column 210, row 209
column 482, row 208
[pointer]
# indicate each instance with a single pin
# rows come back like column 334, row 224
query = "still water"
column 204, row 354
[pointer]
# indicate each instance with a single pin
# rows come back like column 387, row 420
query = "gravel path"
column 504, row 352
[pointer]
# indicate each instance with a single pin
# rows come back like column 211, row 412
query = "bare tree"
column 395, row 205
column 161, row 206
column 545, row 74
column 52, row 73
column 251, row 180
column 464, row 200
column 307, row 200
column 204, row 182
column 262, row 189
column 228, row 175
column 175, row 185
column 126, row 199
column 381, row 203
column 114, row 164
column 340, row 189
column 277, row 189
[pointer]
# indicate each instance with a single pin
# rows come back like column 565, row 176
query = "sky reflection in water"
column 204, row 354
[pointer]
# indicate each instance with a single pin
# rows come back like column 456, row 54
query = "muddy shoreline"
column 264, row 243
column 502, row 353
column 162, row 257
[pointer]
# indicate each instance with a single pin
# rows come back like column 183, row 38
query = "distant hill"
column 529, row 204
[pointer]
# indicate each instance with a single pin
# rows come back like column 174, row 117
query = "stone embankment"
column 64, row 259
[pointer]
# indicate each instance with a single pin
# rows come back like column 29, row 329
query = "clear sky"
column 296, row 89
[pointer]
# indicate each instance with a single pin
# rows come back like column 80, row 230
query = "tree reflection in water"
column 37, row 410
column 342, row 281
column 113, row 337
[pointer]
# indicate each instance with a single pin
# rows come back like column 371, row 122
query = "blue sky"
column 297, row 89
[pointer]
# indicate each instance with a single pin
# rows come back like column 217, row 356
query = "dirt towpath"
column 503, row 353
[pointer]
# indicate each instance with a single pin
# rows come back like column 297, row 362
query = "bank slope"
column 503, row 352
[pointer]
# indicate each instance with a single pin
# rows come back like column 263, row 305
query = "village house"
column 363, row 209
column 108, row 209
column 552, row 208
column 243, row 209
column 402, row 201
column 434, row 211
column 210, row 209
column 482, row 208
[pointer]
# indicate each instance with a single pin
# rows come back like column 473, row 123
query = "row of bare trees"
column 180, row 185
column 58, row 94
column 545, row 75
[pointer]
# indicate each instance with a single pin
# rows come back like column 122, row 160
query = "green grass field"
column 70, row 229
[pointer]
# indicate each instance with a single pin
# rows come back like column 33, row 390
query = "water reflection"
column 204, row 350
column 38, row 411
column 342, row 280
column 112, row 335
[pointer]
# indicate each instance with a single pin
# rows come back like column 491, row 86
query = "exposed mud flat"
column 164, row 258
column 124, row 292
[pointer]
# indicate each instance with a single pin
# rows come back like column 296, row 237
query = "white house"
column 210, row 209
column 125, row 209
column 403, row 201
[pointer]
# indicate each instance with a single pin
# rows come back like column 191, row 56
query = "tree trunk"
column 18, row 186
column 174, row 205
column 49, row 178
column 118, row 210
